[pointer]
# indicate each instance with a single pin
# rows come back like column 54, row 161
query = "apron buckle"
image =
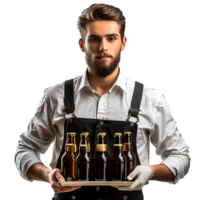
column 135, row 119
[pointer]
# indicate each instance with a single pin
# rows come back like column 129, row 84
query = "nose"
column 103, row 46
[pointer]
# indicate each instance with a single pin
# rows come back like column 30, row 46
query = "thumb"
column 61, row 179
column 58, row 175
column 133, row 174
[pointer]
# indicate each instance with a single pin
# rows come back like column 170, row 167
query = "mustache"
column 106, row 55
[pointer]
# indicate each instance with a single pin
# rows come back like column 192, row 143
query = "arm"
column 39, row 172
column 162, row 173
column 170, row 144
column 39, row 135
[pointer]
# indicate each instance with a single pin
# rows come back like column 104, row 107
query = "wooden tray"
column 96, row 183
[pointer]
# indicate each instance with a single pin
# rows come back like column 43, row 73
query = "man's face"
column 102, row 39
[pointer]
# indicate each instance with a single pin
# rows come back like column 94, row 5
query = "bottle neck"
column 69, row 147
column 71, row 144
column 101, row 145
column 117, row 147
column 127, row 145
column 88, row 145
column 83, row 146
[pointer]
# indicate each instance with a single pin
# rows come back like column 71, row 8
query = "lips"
column 104, row 58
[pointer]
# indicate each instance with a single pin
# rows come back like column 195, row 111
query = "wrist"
column 39, row 172
column 151, row 173
column 46, row 171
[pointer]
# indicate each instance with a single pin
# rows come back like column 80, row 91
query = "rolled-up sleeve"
column 169, row 142
column 39, row 135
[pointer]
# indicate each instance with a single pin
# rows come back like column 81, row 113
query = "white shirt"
column 156, row 124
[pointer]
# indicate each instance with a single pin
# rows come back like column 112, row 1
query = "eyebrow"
column 112, row 34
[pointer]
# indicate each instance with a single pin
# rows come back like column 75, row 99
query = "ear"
column 81, row 45
column 124, row 43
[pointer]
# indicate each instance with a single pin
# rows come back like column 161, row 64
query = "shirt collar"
column 120, row 81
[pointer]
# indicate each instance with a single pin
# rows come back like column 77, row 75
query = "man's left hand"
column 141, row 175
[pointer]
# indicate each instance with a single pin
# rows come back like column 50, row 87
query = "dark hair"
column 97, row 12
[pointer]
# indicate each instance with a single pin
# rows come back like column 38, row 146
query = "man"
column 103, row 93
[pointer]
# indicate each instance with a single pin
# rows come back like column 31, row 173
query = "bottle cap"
column 129, row 133
column 84, row 134
column 71, row 133
column 118, row 134
column 101, row 134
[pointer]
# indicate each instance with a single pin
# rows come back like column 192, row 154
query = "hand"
column 141, row 175
column 55, row 176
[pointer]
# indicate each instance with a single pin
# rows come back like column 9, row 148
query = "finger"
column 59, row 176
column 61, row 179
column 131, row 176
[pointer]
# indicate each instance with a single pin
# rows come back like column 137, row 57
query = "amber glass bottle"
column 128, row 152
column 90, row 156
column 101, row 159
column 88, row 145
column 117, row 161
column 68, row 160
column 83, row 161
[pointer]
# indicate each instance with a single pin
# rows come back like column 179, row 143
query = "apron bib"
column 95, row 126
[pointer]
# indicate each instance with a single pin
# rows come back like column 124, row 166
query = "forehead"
column 102, row 28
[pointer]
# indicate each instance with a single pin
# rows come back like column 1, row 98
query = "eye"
column 112, row 38
column 93, row 39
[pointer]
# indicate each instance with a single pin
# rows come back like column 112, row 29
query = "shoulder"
column 157, row 101
column 57, row 91
column 49, row 94
column 53, row 96
column 150, row 95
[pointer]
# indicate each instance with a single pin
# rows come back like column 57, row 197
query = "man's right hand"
column 54, row 176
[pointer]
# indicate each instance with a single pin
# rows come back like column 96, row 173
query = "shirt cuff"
column 178, row 165
column 26, row 161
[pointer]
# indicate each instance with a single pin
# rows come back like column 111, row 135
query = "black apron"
column 95, row 126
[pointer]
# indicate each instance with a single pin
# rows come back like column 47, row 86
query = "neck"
column 102, row 85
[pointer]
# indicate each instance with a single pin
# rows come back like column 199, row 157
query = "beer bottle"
column 117, row 161
column 101, row 159
column 88, row 146
column 83, row 161
column 90, row 155
column 128, row 152
column 68, row 160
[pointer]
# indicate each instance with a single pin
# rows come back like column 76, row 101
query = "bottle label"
column 101, row 147
column 83, row 145
column 117, row 144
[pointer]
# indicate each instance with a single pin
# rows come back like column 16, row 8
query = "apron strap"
column 69, row 96
column 135, row 102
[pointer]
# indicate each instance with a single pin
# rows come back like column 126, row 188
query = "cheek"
column 94, row 50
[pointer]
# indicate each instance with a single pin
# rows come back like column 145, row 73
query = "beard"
column 100, row 68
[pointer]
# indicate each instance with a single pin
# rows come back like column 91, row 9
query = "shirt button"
column 97, row 188
column 73, row 197
column 125, row 197
column 101, row 123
